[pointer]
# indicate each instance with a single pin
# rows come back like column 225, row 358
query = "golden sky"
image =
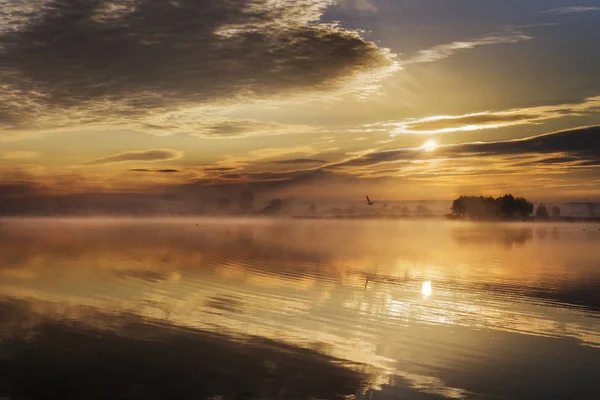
column 308, row 99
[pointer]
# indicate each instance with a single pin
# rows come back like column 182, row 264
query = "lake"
column 195, row 308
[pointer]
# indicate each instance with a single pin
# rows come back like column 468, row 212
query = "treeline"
column 506, row 207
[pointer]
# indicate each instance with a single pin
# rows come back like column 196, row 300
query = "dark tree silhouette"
column 542, row 211
column 555, row 212
column 475, row 207
column 505, row 207
column 312, row 208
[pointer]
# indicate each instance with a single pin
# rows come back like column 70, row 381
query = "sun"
column 430, row 145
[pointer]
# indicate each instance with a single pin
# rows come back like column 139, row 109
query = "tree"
column 312, row 208
column 505, row 207
column 555, row 212
column 475, row 207
column 511, row 207
column 542, row 211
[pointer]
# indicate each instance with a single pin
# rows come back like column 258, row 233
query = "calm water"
column 291, row 309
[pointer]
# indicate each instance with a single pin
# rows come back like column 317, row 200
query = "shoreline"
column 249, row 217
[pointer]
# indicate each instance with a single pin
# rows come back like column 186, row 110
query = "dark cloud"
column 299, row 161
column 160, row 171
column 582, row 142
column 218, row 169
column 93, row 61
column 143, row 155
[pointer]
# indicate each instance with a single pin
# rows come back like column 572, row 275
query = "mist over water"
column 279, row 308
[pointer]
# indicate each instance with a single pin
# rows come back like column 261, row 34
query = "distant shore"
column 356, row 217
column 445, row 217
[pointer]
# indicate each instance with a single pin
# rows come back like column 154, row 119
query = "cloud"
column 562, row 158
column 486, row 119
column 235, row 128
column 218, row 169
column 260, row 156
column 299, row 161
column 577, row 148
column 160, row 171
column 440, row 52
column 122, row 63
column 18, row 155
column 572, row 10
column 141, row 155
column 360, row 5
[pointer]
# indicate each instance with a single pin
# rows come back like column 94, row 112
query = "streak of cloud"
column 159, row 171
column 299, row 161
column 443, row 51
column 142, row 155
column 572, row 10
column 487, row 119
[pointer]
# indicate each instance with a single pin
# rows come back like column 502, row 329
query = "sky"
column 305, row 99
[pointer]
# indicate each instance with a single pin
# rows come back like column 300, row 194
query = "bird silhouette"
column 369, row 202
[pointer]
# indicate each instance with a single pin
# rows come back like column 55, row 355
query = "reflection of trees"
column 505, row 236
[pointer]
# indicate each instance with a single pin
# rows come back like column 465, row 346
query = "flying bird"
column 369, row 202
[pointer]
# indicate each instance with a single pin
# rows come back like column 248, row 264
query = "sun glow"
column 430, row 145
column 426, row 289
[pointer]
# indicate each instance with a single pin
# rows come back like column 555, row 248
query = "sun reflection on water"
column 426, row 289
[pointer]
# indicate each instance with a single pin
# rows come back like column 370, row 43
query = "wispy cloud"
column 297, row 161
column 142, row 155
column 486, row 119
column 360, row 5
column 572, row 10
column 207, row 126
column 158, row 171
column 442, row 51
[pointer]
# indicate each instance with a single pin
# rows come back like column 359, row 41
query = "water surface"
column 200, row 308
